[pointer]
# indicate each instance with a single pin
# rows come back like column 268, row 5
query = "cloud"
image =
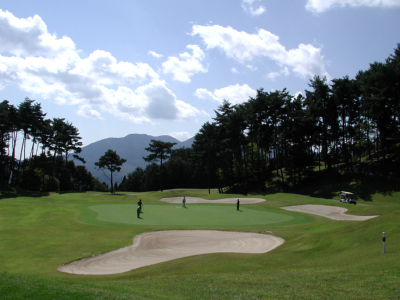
column 251, row 67
column 87, row 112
column 234, row 94
column 181, row 136
column 304, row 61
column 186, row 65
column 320, row 6
column 234, row 70
column 155, row 54
column 273, row 75
column 161, row 102
column 249, row 7
column 153, row 100
column 29, row 37
column 50, row 68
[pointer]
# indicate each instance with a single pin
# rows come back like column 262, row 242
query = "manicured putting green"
column 195, row 215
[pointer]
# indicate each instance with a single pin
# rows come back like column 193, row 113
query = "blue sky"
column 113, row 68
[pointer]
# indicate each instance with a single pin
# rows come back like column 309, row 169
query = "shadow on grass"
column 326, row 184
column 21, row 193
column 329, row 183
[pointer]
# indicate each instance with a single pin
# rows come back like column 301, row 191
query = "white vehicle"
column 347, row 197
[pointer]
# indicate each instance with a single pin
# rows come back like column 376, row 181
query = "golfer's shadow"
column 239, row 210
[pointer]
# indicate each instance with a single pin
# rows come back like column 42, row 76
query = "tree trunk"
column 112, row 186
column 162, row 177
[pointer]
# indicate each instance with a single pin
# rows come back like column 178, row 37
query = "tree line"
column 279, row 135
column 274, row 135
column 45, row 164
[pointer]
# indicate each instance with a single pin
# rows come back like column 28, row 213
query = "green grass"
column 321, row 258
column 199, row 215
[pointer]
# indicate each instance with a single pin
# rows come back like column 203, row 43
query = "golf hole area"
column 208, row 215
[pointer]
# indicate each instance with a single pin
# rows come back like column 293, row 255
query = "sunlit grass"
column 321, row 258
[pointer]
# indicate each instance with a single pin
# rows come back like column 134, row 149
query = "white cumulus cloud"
column 303, row 61
column 155, row 54
column 29, row 37
column 87, row 112
column 50, row 68
column 249, row 6
column 186, row 65
column 272, row 75
column 234, row 94
column 155, row 101
column 320, row 6
column 181, row 136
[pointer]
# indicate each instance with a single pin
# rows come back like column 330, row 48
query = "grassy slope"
column 322, row 260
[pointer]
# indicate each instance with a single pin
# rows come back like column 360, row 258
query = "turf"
column 320, row 259
column 196, row 215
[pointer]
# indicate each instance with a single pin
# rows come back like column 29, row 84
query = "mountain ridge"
column 131, row 147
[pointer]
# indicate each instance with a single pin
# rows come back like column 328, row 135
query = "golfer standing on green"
column 237, row 204
column 184, row 202
column 140, row 204
column 138, row 211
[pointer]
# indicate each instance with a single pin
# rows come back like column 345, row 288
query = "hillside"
column 131, row 147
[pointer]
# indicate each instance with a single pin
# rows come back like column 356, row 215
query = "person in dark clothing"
column 138, row 211
column 140, row 205
column 237, row 204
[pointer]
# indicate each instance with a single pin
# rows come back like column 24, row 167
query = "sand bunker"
column 201, row 200
column 155, row 247
column 331, row 212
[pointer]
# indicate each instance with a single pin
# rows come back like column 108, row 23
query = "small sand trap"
column 201, row 200
column 331, row 212
column 155, row 247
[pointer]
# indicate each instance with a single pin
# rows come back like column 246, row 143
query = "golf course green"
column 320, row 258
column 196, row 215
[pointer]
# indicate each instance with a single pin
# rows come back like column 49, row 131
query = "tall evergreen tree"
column 159, row 151
column 112, row 162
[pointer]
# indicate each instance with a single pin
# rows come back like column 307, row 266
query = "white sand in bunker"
column 331, row 212
column 201, row 200
column 155, row 247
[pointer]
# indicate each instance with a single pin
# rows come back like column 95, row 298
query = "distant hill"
column 130, row 147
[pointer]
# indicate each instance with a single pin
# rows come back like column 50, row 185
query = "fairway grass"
column 320, row 259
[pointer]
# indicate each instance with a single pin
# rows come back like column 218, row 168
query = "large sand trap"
column 155, row 247
column 201, row 200
column 331, row 212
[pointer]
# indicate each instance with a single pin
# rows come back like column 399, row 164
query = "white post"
column 384, row 242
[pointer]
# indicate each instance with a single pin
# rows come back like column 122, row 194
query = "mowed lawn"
column 321, row 258
column 223, row 215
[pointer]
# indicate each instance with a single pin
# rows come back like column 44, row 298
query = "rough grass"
column 324, row 259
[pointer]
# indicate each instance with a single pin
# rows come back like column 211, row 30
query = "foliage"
column 42, row 169
column 112, row 162
column 159, row 151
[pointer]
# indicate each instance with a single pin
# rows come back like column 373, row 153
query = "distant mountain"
column 130, row 147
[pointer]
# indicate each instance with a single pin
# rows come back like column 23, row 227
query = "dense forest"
column 45, row 164
column 351, row 125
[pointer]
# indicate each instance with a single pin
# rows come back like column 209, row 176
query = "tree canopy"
column 159, row 151
column 112, row 162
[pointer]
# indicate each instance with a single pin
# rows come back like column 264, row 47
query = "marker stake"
column 384, row 241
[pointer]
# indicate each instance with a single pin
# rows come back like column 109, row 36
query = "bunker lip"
column 160, row 246
column 331, row 212
column 192, row 200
